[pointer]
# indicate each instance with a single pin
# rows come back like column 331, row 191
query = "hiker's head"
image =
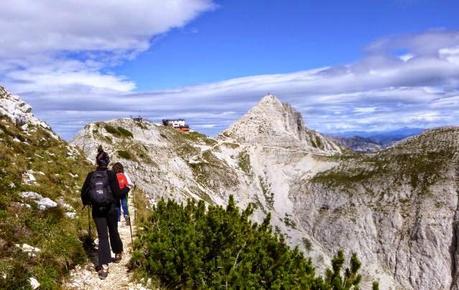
column 102, row 160
column 118, row 167
column 100, row 149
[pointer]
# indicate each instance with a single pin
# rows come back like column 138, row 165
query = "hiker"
column 124, row 182
column 102, row 192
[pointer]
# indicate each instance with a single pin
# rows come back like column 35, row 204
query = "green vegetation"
column 213, row 172
column 124, row 154
column 288, row 221
column 269, row 196
column 194, row 247
column 59, row 173
column 199, row 137
column 125, row 132
column 141, row 124
column 118, row 131
column 419, row 169
column 244, row 162
column 316, row 141
column 307, row 244
column 231, row 145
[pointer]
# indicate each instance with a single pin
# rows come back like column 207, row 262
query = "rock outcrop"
column 19, row 112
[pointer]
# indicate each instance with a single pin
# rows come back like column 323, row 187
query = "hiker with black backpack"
column 102, row 192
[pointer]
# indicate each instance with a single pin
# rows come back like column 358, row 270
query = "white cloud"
column 384, row 90
column 406, row 57
column 44, row 26
column 363, row 110
column 58, row 54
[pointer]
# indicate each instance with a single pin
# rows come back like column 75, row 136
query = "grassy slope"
column 51, row 231
column 420, row 162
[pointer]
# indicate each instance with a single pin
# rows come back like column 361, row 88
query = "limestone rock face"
column 20, row 113
column 17, row 110
column 272, row 122
column 397, row 208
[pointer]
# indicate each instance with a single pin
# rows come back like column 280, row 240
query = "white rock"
column 31, row 195
column 46, row 203
column 34, row 283
column 42, row 202
column 30, row 250
column 28, row 177
column 18, row 111
column 71, row 215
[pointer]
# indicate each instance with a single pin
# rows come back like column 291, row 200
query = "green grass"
column 118, row 131
column 51, row 231
column 244, row 162
column 125, row 154
column 419, row 169
column 213, row 173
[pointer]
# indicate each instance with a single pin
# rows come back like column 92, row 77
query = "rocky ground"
column 85, row 277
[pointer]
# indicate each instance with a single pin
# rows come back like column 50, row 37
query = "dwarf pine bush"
column 191, row 246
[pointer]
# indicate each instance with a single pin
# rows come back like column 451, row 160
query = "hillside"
column 40, row 216
column 393, row 208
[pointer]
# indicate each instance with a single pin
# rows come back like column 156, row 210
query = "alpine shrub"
column 194, row 246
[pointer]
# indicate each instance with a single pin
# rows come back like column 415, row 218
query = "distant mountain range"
column 372, row 141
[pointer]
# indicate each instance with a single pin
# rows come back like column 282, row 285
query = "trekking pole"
column 130, row 229
column 133, row 202
column 133, row 206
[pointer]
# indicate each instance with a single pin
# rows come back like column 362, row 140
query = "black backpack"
column 100, row 192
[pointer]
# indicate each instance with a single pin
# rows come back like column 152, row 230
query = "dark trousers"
column 107, row 225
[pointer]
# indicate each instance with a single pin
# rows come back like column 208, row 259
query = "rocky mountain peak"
column 269, row 99
column 272, row 122
column 267, row 119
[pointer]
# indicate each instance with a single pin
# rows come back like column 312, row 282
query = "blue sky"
column 346, row 65
column 242, row 38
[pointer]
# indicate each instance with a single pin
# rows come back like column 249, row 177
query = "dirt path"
column 85, row 277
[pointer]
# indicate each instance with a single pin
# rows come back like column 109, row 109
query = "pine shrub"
column 199, row 247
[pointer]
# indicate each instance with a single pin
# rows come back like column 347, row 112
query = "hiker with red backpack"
column 102, row 192
column 125, row 183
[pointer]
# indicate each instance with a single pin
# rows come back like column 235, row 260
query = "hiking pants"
column 107, row 225
column 124, row 206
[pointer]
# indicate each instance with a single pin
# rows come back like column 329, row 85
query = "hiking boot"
column 128, row 220
column 103, row 272
column 118, row 258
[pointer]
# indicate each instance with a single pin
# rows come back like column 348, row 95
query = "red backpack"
column 122, row 180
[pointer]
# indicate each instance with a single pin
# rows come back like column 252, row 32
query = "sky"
column 374, row 65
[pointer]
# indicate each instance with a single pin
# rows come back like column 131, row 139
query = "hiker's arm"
column 84, row 190
column 129, row 181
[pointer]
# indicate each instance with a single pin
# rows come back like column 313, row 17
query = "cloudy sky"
column 346, row 65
